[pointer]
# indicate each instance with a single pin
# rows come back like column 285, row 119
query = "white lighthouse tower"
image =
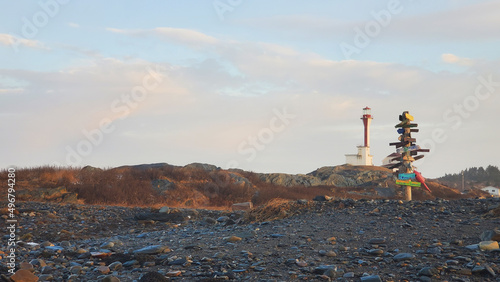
column 363, row 156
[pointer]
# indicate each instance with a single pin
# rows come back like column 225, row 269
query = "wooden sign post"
column 407, row 153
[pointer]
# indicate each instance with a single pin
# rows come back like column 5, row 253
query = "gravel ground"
column 337, row 240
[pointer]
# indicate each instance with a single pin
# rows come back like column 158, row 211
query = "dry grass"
column 194, row 188
column 274, row 209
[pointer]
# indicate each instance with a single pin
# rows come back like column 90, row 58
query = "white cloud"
column 186, row 118
column 73, row 25
column 453, row 59
column 480, row 21
column 10, row 40
column 179, row 35
column 11, row 90
column 473, row 21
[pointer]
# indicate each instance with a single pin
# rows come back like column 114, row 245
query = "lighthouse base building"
column 363, row 157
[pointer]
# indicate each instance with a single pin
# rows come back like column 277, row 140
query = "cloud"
column 10, row 40
column 480, row 21
column 11, row 90
column 178, row 35
column 473, row 21
column 73, row 25
column 204, row 109
column 453, row 59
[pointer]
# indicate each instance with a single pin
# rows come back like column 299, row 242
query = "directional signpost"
column 406, row 154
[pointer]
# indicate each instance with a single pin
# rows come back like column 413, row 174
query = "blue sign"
column 406, row 176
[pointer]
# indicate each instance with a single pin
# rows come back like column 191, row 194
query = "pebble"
column 115, row 266
column 375, row 252
column 174, row 273
column 348, row 275
column 110, row 278
column 377, row 241
column 102, row 269
column 428, row 271
column 403, row 256
column 488, row 245
column 24, row 275
column 295, row 248
column 371, row 278
column 155, row 249
column 232, row 239
column 164, row 209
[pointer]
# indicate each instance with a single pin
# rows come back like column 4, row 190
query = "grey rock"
column 202, row 166
column 130, row 263
column 320, row 198
column 46, row 270
column 115, row 266
column 162, row 185
column 324, row 268
column 376, row 252
column 433, row 250
column 151, row 250
column 107, row 245
column 490, row 270
column 65, row 244
column 428, row 271
column 164, row 209
column 223, row 218
column 46, row 277
column 473, row 247
column 164, row 217
column 478, row 269
column 110, row 278
column 75, row 269
column 348, row 275
column 38, row 262
column 178, row 262
column 153, row 277
column 371, row 278
column 403, row 256
column 377, row 241
column 491, row 235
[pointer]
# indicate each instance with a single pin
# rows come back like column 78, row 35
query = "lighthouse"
column 367, row 119
column 363, row 156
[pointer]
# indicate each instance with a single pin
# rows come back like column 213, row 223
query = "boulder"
column 246, row 206
column 205, row 167
column 24, row 275
column 488, row 245
column 162, row 185
column 491, row 235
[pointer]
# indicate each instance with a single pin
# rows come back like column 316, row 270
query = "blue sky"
column 267, row 86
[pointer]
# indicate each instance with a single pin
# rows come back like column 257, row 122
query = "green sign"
column 408, row 183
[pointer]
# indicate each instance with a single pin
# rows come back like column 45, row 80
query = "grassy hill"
column 207, row 186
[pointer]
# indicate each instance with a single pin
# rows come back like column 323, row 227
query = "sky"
column 265, row 86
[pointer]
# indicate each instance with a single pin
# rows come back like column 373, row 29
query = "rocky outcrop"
column 339, row 176
column 58, row 195
column 289, row 180
column 162, row 185
column 206, row 167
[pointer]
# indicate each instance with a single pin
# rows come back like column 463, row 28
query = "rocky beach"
column 329, row 240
